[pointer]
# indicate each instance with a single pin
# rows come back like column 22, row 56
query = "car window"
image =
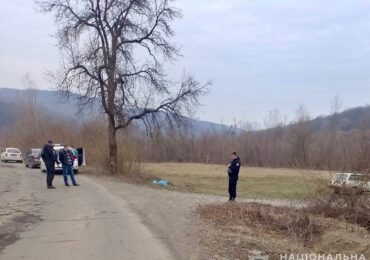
column 13, row 150
column 357, row 178
column 340, row 177
column 36, row 151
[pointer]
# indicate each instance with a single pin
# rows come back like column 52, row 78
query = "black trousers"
column 232, row 187
column 50, row 172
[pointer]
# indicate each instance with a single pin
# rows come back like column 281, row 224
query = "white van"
column 356, row 181
column 80, row 161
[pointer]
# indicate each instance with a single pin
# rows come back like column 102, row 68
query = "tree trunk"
column 113, row 153
column 112, row 146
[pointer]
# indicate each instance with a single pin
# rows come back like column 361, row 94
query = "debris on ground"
column 161, row 182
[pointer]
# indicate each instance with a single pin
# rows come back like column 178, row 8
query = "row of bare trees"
column 295, row 144
column 281, row 147
column 33, row 130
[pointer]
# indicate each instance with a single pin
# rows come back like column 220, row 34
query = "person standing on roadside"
column 50, row 157
column 66, row 157
column 233, row 172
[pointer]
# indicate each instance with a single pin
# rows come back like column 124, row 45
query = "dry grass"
column 253, row 182
column 349, row 207
column 236, row 230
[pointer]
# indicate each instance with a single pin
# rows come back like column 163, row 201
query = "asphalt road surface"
column 86, row 222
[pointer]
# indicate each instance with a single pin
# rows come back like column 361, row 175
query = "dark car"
column 32, row 158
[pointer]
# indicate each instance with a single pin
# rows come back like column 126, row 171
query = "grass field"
column 253, row 182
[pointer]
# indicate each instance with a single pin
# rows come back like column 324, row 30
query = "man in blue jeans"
column 66, row 157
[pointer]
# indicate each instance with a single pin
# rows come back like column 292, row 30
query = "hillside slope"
column 53, row 103
column 56, row 105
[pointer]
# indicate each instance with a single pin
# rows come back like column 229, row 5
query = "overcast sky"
column 261, row 55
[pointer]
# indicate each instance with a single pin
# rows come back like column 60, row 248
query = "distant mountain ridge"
column 354, row 118
column 53, row 103
column 347, row 120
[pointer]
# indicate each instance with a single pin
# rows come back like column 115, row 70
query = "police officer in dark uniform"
column 49, row 156
column 233, row 172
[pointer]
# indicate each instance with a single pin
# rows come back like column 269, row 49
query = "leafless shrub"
column 349, row 206
column 294, row 223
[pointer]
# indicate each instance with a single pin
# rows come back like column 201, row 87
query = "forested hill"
column 50, row 100
column 354, row 118
column 54, row 104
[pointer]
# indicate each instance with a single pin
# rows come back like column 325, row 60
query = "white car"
column 11, row 154
column 80, row 161
column 347, row 180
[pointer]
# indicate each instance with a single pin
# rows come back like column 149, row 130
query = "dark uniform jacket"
column 48, row 154
column 234, row 167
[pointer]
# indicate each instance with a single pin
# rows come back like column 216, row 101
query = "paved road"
column 85, row 222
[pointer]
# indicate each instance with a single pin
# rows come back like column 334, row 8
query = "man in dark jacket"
column 49, row 156
column 233, row 172
column 66, row 157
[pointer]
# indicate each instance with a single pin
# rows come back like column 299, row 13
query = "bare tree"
column 334, row 139
column 275, row 119
column 114, row 51
column 29, row 99
column 301, row 134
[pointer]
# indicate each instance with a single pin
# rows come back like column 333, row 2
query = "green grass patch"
column 253, row 182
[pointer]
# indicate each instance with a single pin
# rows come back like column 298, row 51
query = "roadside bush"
column 297, row 224
column 349, row 206
column 241, row 230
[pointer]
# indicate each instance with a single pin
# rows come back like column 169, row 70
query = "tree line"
column 280, row 144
